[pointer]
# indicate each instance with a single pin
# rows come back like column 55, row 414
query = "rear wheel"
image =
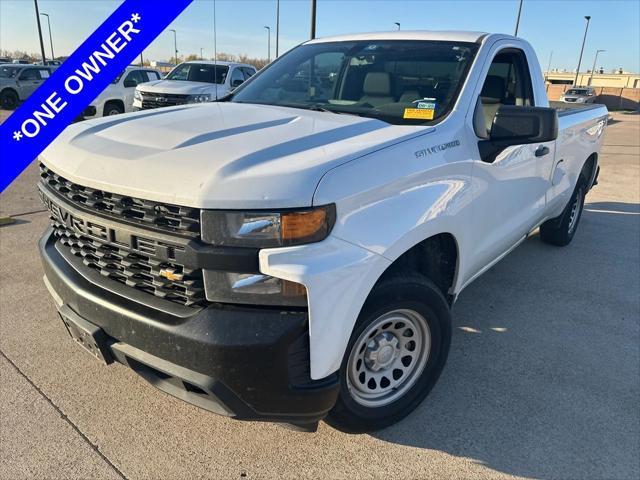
column 9, row 99
column 560, row 230
column 396, row 353
column 112, row 109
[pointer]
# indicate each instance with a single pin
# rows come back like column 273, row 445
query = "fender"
column 433, row 192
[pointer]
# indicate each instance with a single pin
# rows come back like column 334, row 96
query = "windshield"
column 9, row 72
column 576, row 91
column 398, row 81
column 199, row 72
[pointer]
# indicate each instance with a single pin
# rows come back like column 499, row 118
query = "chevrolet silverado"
column 291, row 252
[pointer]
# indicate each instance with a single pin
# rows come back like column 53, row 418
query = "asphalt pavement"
column 543, row 379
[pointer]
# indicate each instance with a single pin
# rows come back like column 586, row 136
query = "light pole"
column 397, row 24
column 549, row 66
column 268, row 43
column 594, row 65
column 277, row 26
column 201, row 58
column 50, row 37
column 175, row 44
column 44, row 58
column 313, row 19
column 586, row 29
column 518, row 19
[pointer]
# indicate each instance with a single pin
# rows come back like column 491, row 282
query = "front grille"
column 157, row 100
column 569, row 99
column 161, row 216
column 133, row 269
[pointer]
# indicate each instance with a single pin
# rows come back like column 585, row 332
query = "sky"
column 549, row 25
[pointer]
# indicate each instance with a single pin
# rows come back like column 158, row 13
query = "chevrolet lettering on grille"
column 117, row 236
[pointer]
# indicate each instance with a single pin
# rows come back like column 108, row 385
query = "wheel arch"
column 436, row 257
column 10, row 89
column 113, row 101
column 590, row 168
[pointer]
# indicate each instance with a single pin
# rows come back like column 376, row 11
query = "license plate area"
column 89, row 336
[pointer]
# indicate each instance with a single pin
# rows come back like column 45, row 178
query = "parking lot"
column 543, row 379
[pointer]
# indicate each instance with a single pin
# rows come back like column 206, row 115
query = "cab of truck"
column 193, row 82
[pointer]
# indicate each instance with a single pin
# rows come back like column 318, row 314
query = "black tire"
column 9, row 99
column 112, row 108
column 412, row 292
column 560, row 231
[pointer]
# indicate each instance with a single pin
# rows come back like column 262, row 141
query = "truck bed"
column 565, row 108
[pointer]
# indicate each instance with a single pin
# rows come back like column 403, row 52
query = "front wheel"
column 395, row 355
column 9, row 99
column 559, row 231
column 112, row 109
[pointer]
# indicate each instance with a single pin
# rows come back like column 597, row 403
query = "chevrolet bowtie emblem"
column 170, row 274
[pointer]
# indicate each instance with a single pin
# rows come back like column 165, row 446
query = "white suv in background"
column 118, row 96
column 193, row 82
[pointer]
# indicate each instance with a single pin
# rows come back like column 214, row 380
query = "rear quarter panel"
column 580, row 136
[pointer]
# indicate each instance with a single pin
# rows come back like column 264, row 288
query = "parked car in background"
column 193, row 82
column 5, row 60
column 18, row 81
column 579, row 95
column 118, row 96
column 54, row 63
column 21, row 62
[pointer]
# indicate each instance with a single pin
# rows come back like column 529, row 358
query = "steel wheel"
column 388, row 358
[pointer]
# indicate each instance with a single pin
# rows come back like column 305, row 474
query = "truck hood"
column 179, row 87
column 217, row 155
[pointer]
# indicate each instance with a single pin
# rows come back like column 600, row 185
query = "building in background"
column 614, row 80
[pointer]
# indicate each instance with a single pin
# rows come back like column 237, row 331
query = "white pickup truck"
column 193, row 82
column 291, row 253
column 117, row 98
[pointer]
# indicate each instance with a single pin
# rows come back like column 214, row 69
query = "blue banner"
column 80, row 79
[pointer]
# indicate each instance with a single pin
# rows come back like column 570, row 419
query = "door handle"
column 542, row 150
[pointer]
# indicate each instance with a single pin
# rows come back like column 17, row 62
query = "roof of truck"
column 452, row 36
column 220, row 63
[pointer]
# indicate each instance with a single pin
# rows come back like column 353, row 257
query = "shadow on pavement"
column 543, row 378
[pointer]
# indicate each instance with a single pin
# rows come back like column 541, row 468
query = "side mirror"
column 514, row 125
column 130, row 83
column 236, row 83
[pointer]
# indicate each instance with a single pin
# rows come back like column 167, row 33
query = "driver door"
column 130, row 82
column 29, row 80
column 511, row 189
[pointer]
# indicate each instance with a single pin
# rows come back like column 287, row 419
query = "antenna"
column 215, row 51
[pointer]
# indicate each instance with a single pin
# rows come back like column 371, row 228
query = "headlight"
column 137, row 95
column 267, row 229
column 199, row 98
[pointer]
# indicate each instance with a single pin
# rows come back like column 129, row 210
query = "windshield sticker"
column 419, row 113
column 423, row 109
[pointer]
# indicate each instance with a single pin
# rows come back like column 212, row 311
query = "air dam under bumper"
column 247, row 363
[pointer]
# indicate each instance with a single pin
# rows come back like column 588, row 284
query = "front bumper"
column 244, row 362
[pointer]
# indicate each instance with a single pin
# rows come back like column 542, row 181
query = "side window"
column 237, row 77
column 30, row 74
column 133, row 78
column 508, row 83
column 248, row 72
